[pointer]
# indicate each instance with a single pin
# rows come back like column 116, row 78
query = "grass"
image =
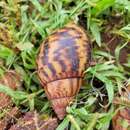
column 24, row 24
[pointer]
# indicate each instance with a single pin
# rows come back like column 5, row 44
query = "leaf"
column 104, row 54
column 63, row 124
column 124, row 3
column 28, row 60
column 18, row 95
column 82, row 111
column 38, row 6
column 101, row 67
column 126, row 28
column 24, row 17
column 109, row 86
column 74, row 122
column 95, row 32
column 108, row 83
column 31, row 104
column 80, row 5
column 104, row 121
column 91, row 101
column 111, row 73
column 25, row 76
column 5, row 52
column 101, row 5
column 117, row 51
column 1, row 72
column 92, row 122
column 38, row 28
column 110, row 90
column 26, row 46
column 128, row 63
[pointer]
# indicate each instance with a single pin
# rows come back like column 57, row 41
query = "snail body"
column 62, row 59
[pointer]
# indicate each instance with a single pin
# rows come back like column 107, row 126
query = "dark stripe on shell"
column 78, row 85
column 63, row 66
column 45, row 74
column 63, row 33
column 71, row 53
column 71, row 83
column 51, row 67
column 48, row 94
column 75, row 30
column 88, row 53
column 45, row 57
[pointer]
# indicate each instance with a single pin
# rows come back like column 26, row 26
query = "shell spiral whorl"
column 62, row 59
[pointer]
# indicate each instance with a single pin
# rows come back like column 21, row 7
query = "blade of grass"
column 101, row 5
column 63, row 124
column 95, row 32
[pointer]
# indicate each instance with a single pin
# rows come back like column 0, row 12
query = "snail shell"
column 62, row 59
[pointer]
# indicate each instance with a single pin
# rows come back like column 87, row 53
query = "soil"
column 32, row 120
column 13, row 118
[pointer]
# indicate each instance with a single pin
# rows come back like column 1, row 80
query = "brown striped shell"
column 62, row 59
